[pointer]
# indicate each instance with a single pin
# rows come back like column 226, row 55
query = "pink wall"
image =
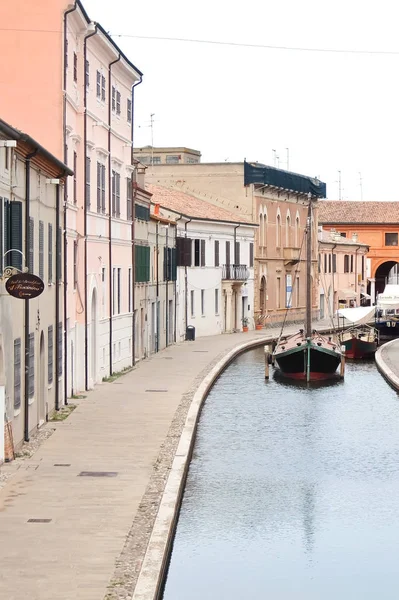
column 31, row 67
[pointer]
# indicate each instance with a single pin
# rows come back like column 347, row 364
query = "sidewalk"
column 387, row 359
column 99, row 479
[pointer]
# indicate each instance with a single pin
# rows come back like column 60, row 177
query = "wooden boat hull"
column 358, row 348
column 323, row 362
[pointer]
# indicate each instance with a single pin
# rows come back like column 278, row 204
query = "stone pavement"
column 95, row 529
column 387, row 359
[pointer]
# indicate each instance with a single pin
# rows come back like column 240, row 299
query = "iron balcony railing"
column 235, row 272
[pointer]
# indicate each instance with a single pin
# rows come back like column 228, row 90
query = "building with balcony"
column 215, row 264
column 276, row 201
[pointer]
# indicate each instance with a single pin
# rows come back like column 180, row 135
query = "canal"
column 292, row 492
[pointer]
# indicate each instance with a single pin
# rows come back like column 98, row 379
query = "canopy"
column 389, row 297
column 359, row 315
column 345, row 293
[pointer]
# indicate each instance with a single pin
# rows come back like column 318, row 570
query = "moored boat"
column 359, row 339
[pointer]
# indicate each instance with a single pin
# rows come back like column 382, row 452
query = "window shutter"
column 227, row 253
column 31, row 365
column 41, row 249
column 50, row 353
column 251, row 254
column 98, row 187
column 118, row 195
column 88, row 167
column 129, row 199
column 237, row 254
column 17, row 373
column 216, row 253
column 50, row 253
column 31, row 245
column 59, row 254
column 188, row 252
column 173, row 264
column 113, row 98
column 165, row 264
column 13, row 234
column 202, row 253
column 103, row 188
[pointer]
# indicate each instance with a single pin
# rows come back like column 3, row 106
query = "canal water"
column 293, row 491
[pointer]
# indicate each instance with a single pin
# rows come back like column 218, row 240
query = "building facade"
column 31, row 331
column 149, row 155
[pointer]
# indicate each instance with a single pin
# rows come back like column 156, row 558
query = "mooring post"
column 267, row 354
column 342, row 371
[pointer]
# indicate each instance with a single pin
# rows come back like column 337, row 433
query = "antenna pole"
column 339, row 186
column 361, row 186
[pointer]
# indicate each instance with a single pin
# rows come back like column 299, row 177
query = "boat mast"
column 308, row 326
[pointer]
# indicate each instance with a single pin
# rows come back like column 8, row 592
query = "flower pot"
column 258, row 327
column 245, row 327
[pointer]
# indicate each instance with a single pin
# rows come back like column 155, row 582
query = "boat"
column 308, row 355
column 387, row 312
column 359, row 337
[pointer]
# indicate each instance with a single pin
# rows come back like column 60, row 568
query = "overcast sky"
column 333, row 111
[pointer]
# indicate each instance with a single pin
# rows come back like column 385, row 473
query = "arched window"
column 260, row 232
column 288, row 230
column 278, row 231
column 297, row 232
column 265, row 229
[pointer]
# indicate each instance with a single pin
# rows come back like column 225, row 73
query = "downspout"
column 133, row 235
column 186, row 282
column 57, row 294
column 157, row 285
column 175, row 285
column 26, row 302
column 167, row 291
column 235, row 273
column 110, row 286
column 65, row 241
column 358, row 248
column 86, row 200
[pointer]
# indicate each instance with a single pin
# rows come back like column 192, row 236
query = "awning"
column 389, row 298
column 358, row 315
column 346, row 294
column 367, row 296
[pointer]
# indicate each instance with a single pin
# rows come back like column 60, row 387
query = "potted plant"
column 245, row 323
column 259, row 321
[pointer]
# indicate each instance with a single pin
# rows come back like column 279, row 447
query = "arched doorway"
column 93, row 344
column 262, row 296
column 382, row 276
column 42, row 382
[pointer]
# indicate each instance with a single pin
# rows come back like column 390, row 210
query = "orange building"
column 375, row 224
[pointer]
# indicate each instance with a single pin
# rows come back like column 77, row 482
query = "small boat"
column 307, row 355
column 359, row 338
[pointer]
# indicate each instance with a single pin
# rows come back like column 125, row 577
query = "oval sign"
column 24, row 286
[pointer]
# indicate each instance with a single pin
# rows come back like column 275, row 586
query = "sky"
column 334, row 111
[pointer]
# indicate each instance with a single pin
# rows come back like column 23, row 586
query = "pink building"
column 79, row 104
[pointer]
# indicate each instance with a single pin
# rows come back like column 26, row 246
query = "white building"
column 214, row 254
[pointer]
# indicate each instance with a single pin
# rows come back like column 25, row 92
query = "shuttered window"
column 217, row 261
column 334, row 263
column 59, row 349
column 98, row 187
column 75, row 264
column 202, row 253
column 142, row 213
column 88, row 192
column 41, row 249
column 50, row 253
column 183, row 252
column 59, row 255
column 98, row 85
column 103, row 88
column 169, row 264
column 31, row 245
column 75, row 168
column 129, row 199
column 118, row 103
column 113, row 98
column 237, row 258
column 142, row 263
column 11, row 217
column 129, row 110
column 50, row 356
column 251, row 254
column 31, row 387
column 17, row 374
column 116, row 194
column 227, row 253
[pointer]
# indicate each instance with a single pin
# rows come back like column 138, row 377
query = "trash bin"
column 190, row 333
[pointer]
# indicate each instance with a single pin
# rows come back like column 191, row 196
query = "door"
column 42, row 383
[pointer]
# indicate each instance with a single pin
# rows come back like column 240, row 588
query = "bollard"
column 342, row 371
column 267, row 354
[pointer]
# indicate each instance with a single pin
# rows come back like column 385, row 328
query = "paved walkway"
column 387, row 359
column 93, row 544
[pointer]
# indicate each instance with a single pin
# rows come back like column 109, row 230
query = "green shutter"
column 14, row 234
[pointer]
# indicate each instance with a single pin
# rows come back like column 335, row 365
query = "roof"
column 182, row 149
column 189, row 206
column 339, row 212
column 335, row 238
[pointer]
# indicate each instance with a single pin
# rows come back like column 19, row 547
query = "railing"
column 235, row 272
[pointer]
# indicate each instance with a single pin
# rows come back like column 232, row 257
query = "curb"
column 153, row 570
column 383, row 367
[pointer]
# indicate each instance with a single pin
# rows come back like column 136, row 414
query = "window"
column 50, row 253
column 217, row 253
column 59, row 255
column 31, row 257
column 142, row 213
column 183, row 252
column 251, row 254
column 227, row 253
column 278, row 232
column 237, row 260
column 75, row 166
column 129, row 110
column 129, row 199
column 10, row 233
column 87, row 73
column 362, row 268
column 351, row 263
column 31, row 379
column 118, row 289
column 169, row 264
column 260, row 231
column 346, row 263
column 129, row 285
column 297, row 232
column 59, row 349
column 17, row 374
column 142, row 263
column 50, row 359
column 101, row 188
column 103, row 88
column 113, row 98
column 7, row 159
column 116, row 194
column 334, row 263
column 216, row 302
column 329, row 263
column 88, row 167
column 75, row 67
column 197, row 253
column 75, row 264
column 192, row 303
column 103, row 289
column 391, row 239
column 288, row 231
column 278, row 292
column 172, row 159
column 203, row 303
column 265, row 229
column 118, row 103
column 98, row 84
column 41, row 249
column 156, row 160
column 297, row 291
column 325, row 263
column 343, row 235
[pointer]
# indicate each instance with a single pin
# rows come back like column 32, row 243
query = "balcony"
column 291, row 255
column 235, row 272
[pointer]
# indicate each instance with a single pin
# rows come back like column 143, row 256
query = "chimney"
column 354, row 237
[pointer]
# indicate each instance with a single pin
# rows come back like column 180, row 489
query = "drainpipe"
column 86, row 200
column 133, row 233
column 235, row 272
column 186, row 281
column 26, row 302
column 175, row 285
column 358, row 248
column 157, row 284
column 167, row 291
column 57, row 293
column 65, row 241
column 110, row 285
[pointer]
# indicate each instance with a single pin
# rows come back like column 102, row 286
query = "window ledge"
column 31, row 401
column 17, row 412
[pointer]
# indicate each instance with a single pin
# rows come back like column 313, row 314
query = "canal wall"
column 154, row 567
column 387, row 361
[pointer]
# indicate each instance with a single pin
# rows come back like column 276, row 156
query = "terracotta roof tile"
column 190, row 206
column 345, row 211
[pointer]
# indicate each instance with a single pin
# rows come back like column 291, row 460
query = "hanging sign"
column 24, row 286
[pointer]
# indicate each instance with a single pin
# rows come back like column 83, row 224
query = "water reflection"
column 293, row 490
